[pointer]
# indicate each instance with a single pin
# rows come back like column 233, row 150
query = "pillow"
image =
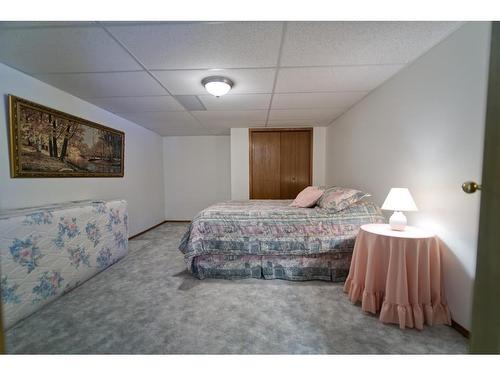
column 307, row 197
column 339, row 198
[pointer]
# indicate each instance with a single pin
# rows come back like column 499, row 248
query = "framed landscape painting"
column 45, row 142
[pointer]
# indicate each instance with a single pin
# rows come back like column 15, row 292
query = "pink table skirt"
column 400, row 277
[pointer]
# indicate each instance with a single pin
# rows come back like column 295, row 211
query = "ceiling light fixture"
column 217, row 85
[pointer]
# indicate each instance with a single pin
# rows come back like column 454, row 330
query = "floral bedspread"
column 273, row 227
column 47, row 251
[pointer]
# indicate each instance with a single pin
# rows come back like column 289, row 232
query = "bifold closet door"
column 295, row 163
column 265, row 165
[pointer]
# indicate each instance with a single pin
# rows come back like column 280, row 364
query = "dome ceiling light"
column 217, row 85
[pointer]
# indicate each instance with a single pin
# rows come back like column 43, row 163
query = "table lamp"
column 398, row 200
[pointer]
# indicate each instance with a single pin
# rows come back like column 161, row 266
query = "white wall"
column 197, row 174
column 423, row 129
column 142, row 185
column 319, row 156
column 240, row 188
column 240, row 167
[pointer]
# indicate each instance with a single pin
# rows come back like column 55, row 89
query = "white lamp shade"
column 217, row 88
column 399, row 199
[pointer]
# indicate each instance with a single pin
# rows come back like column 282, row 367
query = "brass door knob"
column 471, row 187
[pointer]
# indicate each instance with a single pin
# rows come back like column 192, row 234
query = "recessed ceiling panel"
column 167, row 123
column 167, row 118
column 179, row 130
column 98, row 85
column 188, row 82
column 328, row 79
column 231, row 118
column 137, row 104
column 39, row 24
column 358, row 43
column 203, row 45
column 317, row 100
column 304, row 114
column 236, row 102
column 182, row 131
column 63, row 49
column 191, row 102
column 297, row 117
column 295, row 123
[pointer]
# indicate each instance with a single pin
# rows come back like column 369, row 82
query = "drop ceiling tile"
column 190, row 102
column 296, row 123
column 304, row 114
column 236, row 102
column 228, row 126
column 201, row 45
column 167, row 123
column 168, row 118
column 188, row 82
column 138, row 104
column 303, row 117
column 98, row 85
column 172, row 131
column 222, row 131
column 217, row 119
column 63, row 50
column 317, row 100
column 354, row 43
column 39, row 24
column 340, row 78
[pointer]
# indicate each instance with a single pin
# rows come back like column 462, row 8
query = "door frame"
column 251, row 131
column 2, row 339
column 485, row 332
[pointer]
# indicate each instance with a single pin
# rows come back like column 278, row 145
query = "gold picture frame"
column 45, row 142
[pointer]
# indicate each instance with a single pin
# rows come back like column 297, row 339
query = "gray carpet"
column 149, row 303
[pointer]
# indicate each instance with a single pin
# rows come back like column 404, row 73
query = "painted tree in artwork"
column 105, row 146
column 117, row 146
column 109, row 140
column 33, row 126
column 73, row 135
column 55, row 131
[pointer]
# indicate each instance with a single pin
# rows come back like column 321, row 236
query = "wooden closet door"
column 265, row 165
column 295, row 162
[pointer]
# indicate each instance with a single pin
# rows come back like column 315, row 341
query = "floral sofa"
column 47, row 251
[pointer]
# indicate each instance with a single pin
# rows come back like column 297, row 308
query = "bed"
column 272, row 240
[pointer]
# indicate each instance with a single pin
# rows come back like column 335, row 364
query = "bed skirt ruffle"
column 329, row 267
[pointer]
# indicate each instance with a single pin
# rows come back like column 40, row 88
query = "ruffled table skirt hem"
column 411, row 316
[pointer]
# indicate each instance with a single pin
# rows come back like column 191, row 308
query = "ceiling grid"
column 278, row 64
column 285, row 74
column 145, row 69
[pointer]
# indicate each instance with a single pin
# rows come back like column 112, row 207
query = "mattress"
column 254, row 238
column 47, row 251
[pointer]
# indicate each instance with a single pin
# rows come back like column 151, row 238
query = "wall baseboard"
column 157, row 225
column 463, row 331
column 147, row 230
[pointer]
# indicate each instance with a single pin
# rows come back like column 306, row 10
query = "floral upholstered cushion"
column 338, row 198
column 47, row 251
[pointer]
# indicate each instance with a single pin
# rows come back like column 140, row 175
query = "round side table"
column 398, row 273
